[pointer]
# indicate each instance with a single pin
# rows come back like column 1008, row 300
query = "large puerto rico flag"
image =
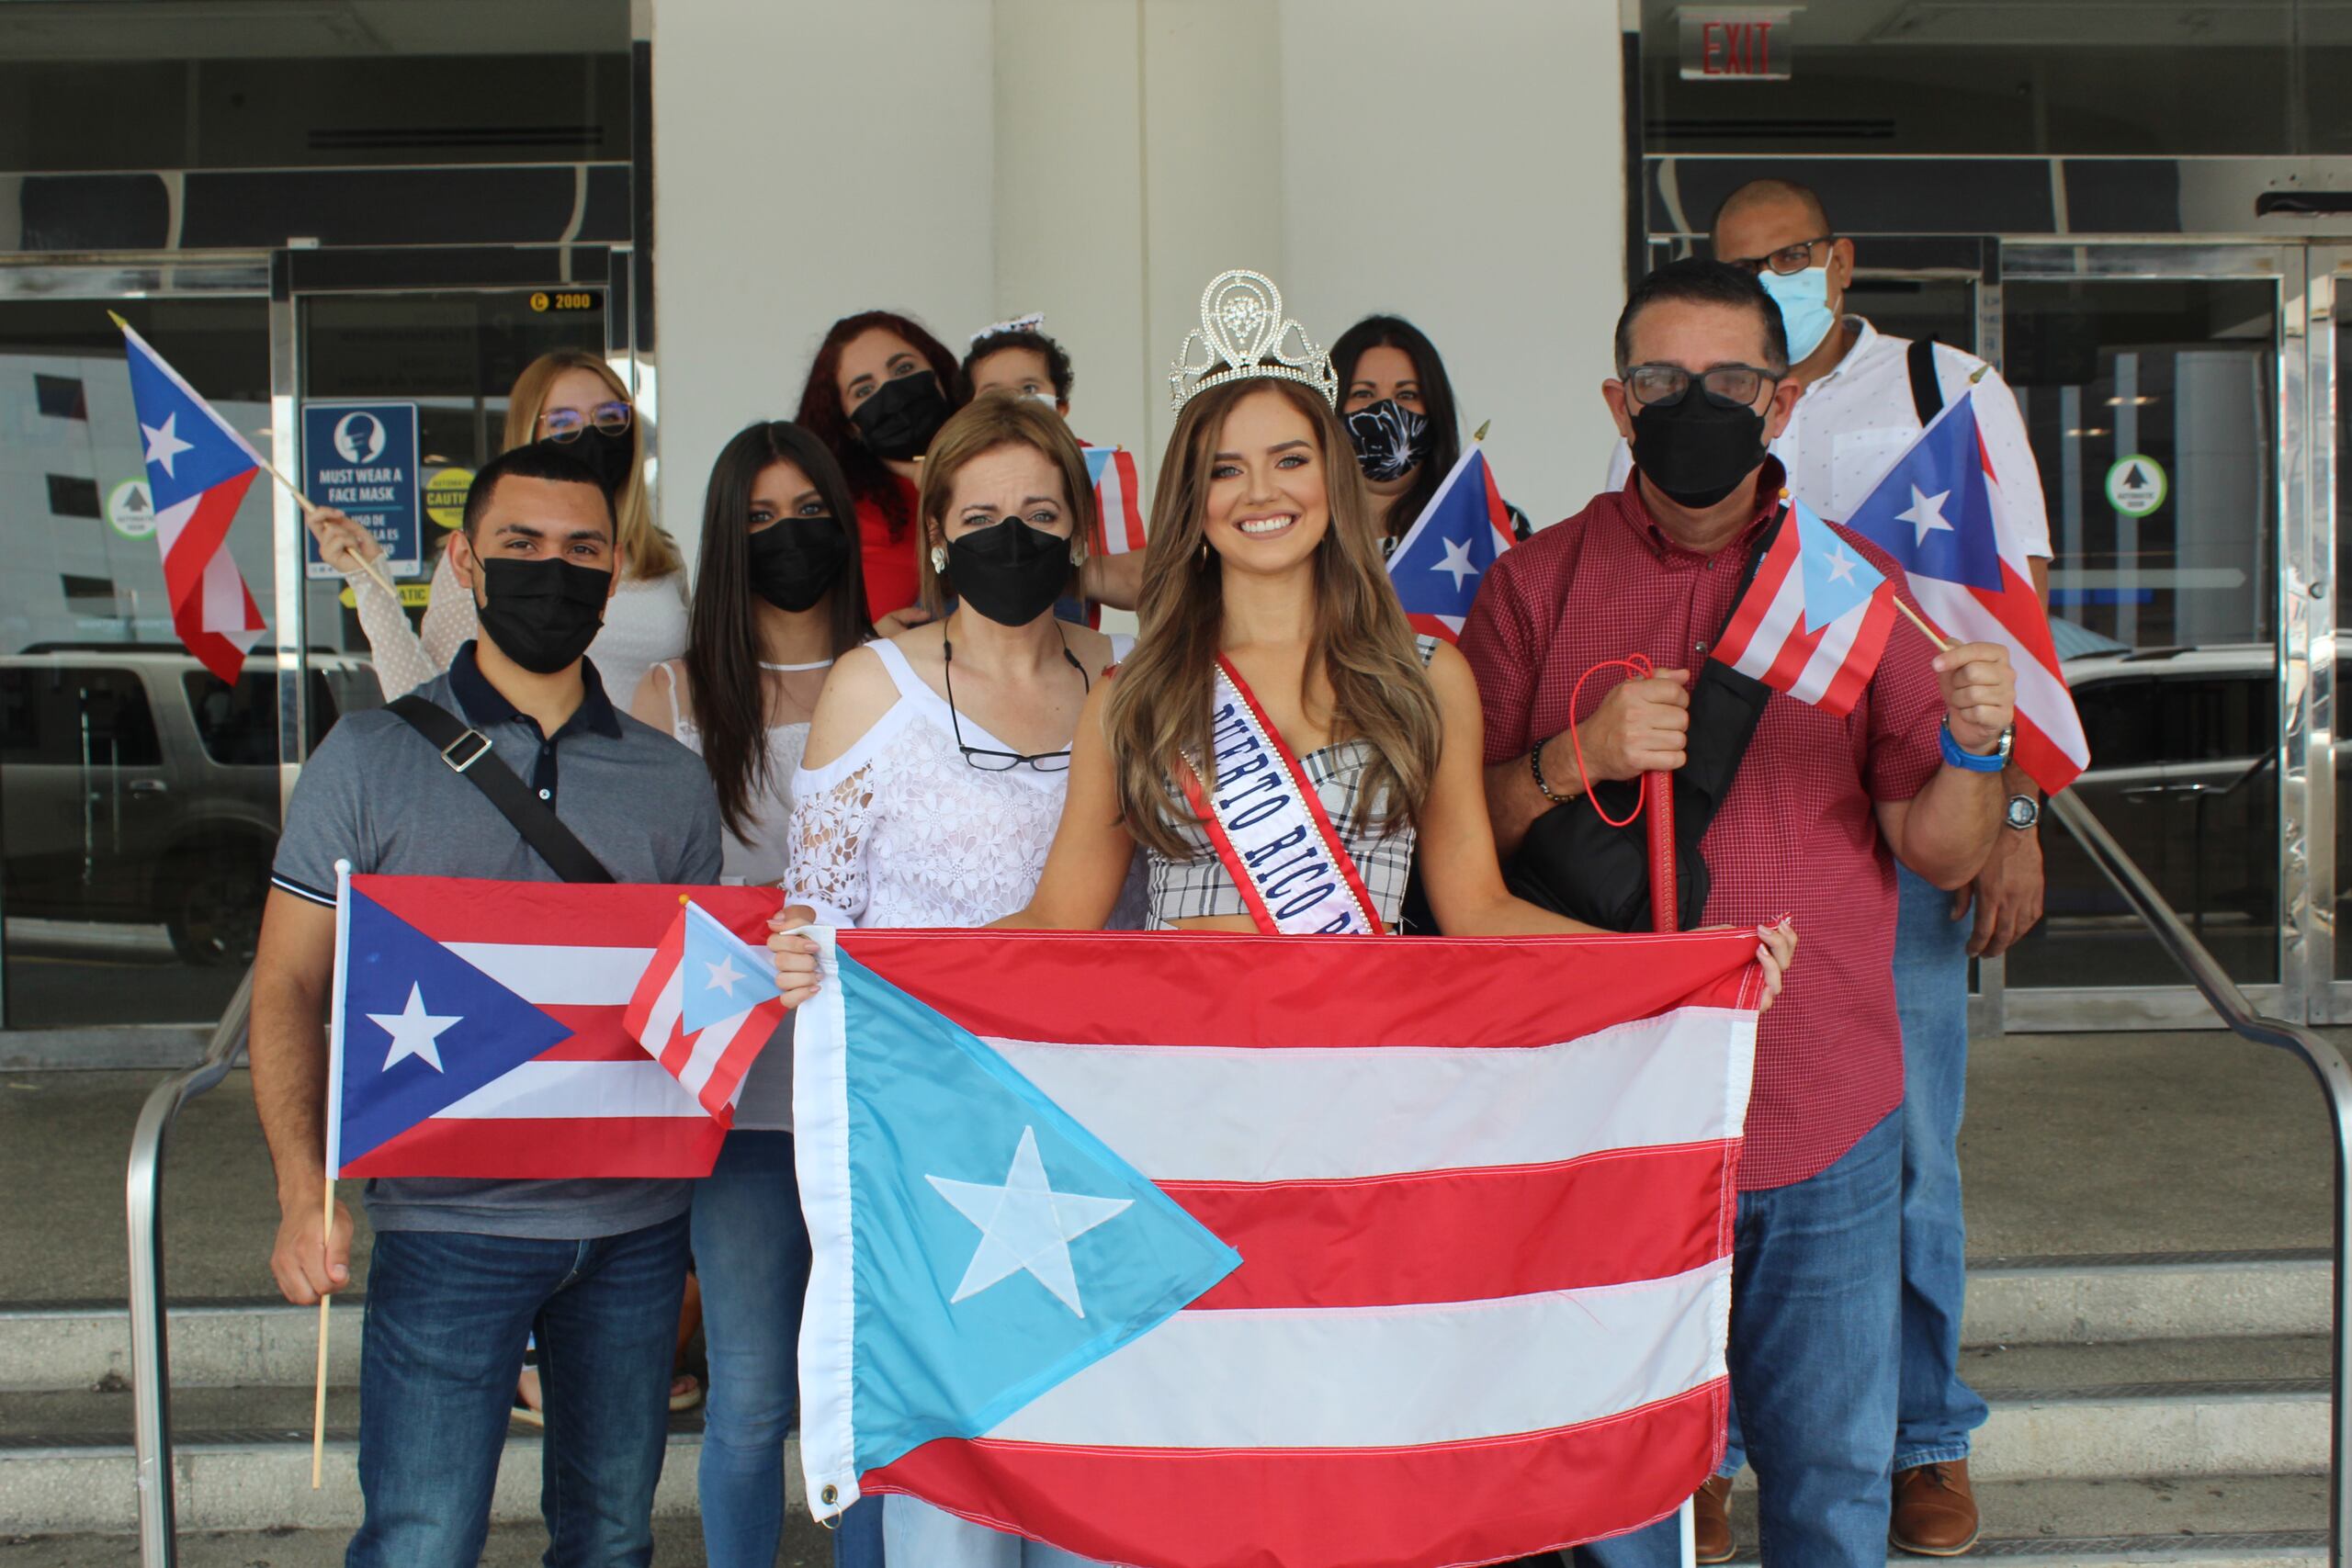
column 481, row 1029
column 1938, row 511
column 1199, row 1251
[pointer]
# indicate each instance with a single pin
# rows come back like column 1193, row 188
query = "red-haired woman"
column 877, row 392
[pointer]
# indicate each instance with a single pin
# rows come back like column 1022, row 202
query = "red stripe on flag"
column 204, row 535
column 1861, row 659
column 1465, row 1235
column 625, row 914
column 597, row 1035
column 1414, row 1508
column 1435, row 625
column 1771, row 572
column 523, row 1148
column 1179, row 989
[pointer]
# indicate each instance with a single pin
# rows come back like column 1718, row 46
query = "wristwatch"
column 2022, row 812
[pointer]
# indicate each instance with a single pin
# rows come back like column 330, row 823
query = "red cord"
column 1637, row 668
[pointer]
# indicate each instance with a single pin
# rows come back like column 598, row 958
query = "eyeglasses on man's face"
column 1787, row 260
column 1727, row 386
column 565, row 424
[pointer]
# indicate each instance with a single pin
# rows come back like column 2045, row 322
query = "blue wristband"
column 1988, row 763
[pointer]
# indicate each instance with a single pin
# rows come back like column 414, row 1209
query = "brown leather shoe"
column 1711, row 1524
column 1934, row 1510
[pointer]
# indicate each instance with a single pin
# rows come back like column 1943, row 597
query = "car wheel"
column 212, row 906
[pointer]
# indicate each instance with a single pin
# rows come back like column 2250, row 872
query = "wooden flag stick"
column 1925, row 629
column 319, row 1404
column 1480, row 433
column 373, row 567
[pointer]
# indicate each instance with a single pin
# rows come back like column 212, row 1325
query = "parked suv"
column 138, row 788
column 2184, row 751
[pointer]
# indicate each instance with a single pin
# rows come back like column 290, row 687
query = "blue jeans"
column 446, row 1317
column 752, row 1257
column 1816, row 1279
column 857, row 1534
column 1935, row 1411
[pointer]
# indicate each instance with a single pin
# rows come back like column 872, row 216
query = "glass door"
column 2163, row 388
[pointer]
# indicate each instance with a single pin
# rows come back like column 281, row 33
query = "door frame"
column 2304, row 621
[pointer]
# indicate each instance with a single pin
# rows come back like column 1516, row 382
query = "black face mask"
column 899, row 421
column 612, row 458
column 1390, row 440
column 1696, row 450
column 543, row 614
column 1009, row 572
column 794, row 560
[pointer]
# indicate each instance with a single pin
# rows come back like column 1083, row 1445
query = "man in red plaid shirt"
column 1820, row 810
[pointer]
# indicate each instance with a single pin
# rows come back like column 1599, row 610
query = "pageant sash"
column 1270, row 828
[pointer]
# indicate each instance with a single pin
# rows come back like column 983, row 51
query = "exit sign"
column 1737, row 43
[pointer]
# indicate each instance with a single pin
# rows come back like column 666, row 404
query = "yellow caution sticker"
column 414, row 596
column 445, row 496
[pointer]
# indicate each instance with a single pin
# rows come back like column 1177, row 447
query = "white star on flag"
column 1457, row 562
column 1926, row 513
column 1841, row 565
column 414, row 1029
column 725, row 977
column 1025, row 1225
column 163, row 443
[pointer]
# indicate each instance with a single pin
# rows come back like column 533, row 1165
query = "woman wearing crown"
column 1280, row 738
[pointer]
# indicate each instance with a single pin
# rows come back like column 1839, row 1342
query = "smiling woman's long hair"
column 1158, row 713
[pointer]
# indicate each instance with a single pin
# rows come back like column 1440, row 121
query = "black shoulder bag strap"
column 468, row 752
column 1927, row 391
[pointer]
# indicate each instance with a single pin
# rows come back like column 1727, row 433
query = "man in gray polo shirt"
column 464, row 1269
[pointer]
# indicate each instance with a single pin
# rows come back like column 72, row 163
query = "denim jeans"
column 857, row 1534
column 1935, row 1411
column 925, row 1537
column 752, row 1257
column 1814, row 1284
column 446, row 1317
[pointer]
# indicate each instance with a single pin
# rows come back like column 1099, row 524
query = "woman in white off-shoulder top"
column 575, row 399
column 937, row 759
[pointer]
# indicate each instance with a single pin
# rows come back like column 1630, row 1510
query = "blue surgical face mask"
column 1804, row 300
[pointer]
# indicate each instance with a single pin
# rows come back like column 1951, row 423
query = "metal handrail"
column 2326, row 1063
column 151, row 1394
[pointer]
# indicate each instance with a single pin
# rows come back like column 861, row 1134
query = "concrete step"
column 2011, row 1302
column 2190, row 1408
column 242, row 1462
column 677, row 1544
column 2221, row 1521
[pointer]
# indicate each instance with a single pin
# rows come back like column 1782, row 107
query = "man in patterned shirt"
column 1822, row 808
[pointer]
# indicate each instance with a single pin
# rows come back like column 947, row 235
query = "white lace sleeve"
column 400, row 664
column 832, row 809
column 449, row 619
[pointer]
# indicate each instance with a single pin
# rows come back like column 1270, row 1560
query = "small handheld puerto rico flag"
column 1815, row 620
column 705, row 1007
column 198, row 468
column 1939, row 512
column 1438, row 564
column 1117, row 491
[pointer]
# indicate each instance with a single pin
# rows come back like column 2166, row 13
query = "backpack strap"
column 468, row 754
column 1927, row 391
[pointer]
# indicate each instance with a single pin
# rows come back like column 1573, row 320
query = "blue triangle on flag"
column 1097, row 459
column 719, row 975
column 422, row 1029
column 1837, row 580
column 1000, row 1247
column 1933, row 511
column 1444, row 557
column 186, row 449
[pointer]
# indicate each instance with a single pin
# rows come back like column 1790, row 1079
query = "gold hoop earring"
column 1204, row 552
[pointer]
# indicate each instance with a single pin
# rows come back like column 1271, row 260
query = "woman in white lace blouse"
column 936, row 762
column 574, row 399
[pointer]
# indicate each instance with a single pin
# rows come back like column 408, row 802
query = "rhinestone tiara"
column 1035, row 322
column 1243, row 333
